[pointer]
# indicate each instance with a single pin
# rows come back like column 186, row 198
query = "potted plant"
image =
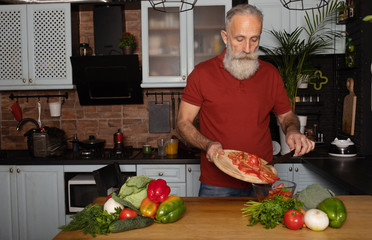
column 127, row 42
column 293, row 55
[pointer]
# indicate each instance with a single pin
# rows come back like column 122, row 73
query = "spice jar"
column 85, row 50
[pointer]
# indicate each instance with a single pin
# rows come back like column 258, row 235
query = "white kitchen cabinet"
column 183, row 179
column 303, row 177
column 32, row 201
column 35, row 47
column 277, row 17
column 173, row 43
column 192, row 180
column 174, row 174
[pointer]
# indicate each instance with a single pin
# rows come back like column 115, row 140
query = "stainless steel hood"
column 67, row 1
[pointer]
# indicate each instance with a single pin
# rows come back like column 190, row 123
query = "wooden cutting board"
column 224, row 163
column 159, row 117
column 348, row 118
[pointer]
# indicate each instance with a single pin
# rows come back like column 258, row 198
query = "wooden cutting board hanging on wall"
column 348, row 118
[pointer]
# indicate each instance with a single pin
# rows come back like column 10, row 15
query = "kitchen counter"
column 221, row 218
column 22, row 157
column 353, row 173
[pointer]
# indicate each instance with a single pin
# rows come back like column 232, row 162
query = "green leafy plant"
column 127, row 39
column 294, row 53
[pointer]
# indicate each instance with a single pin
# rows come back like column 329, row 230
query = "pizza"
column 246, row 166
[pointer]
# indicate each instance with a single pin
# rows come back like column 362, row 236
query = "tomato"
column 127, row 213
column 293, row 219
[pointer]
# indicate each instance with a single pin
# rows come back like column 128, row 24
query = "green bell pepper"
column 170, row 210
column 336, row 211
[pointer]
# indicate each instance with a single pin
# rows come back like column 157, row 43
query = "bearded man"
column 234, row 94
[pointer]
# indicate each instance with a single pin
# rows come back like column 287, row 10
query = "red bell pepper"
column 148, row 208
column 158, row 190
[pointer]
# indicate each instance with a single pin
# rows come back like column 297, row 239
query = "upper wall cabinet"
column 173, row 43
column 35, row 46
column 277, row 17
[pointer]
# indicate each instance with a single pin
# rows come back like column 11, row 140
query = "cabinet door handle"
column 189, row 169
column 160, row 174
column 290, row 169
column 24, row 80
column 296, row 169
column 18, row 170
column 11, row 170
column 30, row 80
column 183, row 77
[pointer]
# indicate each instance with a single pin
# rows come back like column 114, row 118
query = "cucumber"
column 130, row 223
column 125, row 203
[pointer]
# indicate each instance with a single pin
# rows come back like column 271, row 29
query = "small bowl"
column 264, row 191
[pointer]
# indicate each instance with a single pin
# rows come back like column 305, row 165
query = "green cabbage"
column 134, row 190
column 312, row 195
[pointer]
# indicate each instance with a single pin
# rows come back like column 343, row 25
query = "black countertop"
column 354, row 173
column 22, row 157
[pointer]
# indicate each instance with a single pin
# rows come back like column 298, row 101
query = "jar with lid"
column 85, row 50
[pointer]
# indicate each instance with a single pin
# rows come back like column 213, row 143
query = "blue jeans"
column 212, row 191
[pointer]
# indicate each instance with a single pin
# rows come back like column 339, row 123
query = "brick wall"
column 101, row 121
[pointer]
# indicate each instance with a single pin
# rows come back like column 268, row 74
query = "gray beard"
column 240, row 65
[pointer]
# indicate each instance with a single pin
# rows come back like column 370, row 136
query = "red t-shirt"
column 235, row 113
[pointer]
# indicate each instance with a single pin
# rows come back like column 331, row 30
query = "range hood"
column 107, row 80
column 68, row 1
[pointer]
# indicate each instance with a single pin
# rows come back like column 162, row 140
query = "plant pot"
column 303, row 81
column 127, row 50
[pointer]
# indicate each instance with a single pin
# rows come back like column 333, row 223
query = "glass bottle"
column 350, row 54
column 85, row 50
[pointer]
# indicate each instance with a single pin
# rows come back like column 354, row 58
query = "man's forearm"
column 289, row 122
column 190, row 134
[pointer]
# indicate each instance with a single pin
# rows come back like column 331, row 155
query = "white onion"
column 111, row 204
column 316, row 220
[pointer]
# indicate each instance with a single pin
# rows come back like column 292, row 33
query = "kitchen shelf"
column 163, row 55
column 309, row 104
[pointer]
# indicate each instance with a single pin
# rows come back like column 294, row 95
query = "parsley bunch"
column 93, row 220
column 270, row 212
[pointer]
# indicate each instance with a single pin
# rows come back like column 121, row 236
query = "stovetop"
column 128, row 152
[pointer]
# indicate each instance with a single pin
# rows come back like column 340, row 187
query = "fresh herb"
column 270, row 212
column 93, row 220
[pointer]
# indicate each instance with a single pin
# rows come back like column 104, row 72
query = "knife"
column 282, row 158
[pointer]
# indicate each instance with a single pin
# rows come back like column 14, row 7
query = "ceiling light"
column 304, row 4
column 183, row 5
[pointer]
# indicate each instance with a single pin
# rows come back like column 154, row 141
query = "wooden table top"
column 221, row 218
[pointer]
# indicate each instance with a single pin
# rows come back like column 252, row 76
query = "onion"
column 316, row 220
column 111, row 204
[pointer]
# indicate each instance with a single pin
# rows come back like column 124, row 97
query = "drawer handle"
column 160, row 174
column 290, row 169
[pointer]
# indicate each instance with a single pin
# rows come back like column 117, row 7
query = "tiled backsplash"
column 101, row 121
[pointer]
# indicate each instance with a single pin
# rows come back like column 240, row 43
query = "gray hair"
column 242, row 9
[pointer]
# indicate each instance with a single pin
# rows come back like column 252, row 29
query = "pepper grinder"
column 75, row 143
column 118, row 142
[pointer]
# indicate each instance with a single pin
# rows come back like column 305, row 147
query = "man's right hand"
column 212, row 149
